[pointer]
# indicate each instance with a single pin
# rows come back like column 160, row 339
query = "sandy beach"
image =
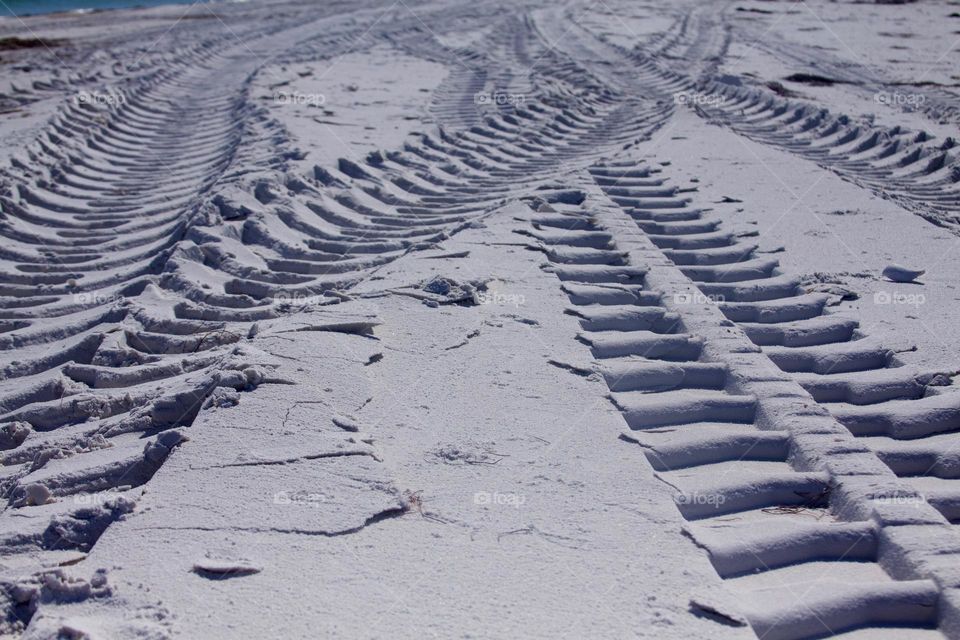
column 481, row 320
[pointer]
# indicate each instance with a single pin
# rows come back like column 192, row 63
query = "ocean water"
column 31, row 7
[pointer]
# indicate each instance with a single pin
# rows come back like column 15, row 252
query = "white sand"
column 480, row 320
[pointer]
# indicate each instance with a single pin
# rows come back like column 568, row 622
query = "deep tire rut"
column 763, row 412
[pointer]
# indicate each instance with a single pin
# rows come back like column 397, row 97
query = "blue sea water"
column 31, row 7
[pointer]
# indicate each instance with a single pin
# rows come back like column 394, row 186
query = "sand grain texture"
column 480, row 320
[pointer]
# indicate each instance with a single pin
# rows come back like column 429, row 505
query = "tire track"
column 908, row 416
column 914, row 168
column 772, row 433
column 148, row 239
